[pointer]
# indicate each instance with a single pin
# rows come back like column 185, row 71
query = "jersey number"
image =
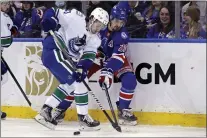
column 123, row 48
column 77, row 12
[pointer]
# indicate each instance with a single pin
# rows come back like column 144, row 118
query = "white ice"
column 30, row 128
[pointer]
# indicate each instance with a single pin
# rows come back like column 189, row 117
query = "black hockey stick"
column 109, row 100
column 20, row 88
column 111, row 106
column 73, row 68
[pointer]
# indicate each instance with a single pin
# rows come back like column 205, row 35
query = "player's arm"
column 118, row 57
column 89, row 53
column 8, row 30
column 115, row 62
column 87, row 59
column 50, row 20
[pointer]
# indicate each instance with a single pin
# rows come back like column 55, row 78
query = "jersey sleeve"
column 6, row 25
column 116, row 61
column 50, row 20
column 89, row 52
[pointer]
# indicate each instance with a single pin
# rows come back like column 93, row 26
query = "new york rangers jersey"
column 114, row 45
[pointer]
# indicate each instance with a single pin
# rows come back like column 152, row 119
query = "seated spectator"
column 201, row 5
column 13, row 9
column 193, row 28
column 142, row 5
column 28, row 21
column 101, row 4
column 165, row 26
column 151, row 13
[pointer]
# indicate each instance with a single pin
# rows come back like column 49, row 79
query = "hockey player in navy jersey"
column 113, row 48
column 114, row 43
column 78, row 36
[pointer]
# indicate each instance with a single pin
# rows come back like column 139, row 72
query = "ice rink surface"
column 30, row 128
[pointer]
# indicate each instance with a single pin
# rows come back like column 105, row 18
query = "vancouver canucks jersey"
column 6, row 25
column 73, row 33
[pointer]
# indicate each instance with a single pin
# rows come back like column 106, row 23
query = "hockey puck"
column 76, row 133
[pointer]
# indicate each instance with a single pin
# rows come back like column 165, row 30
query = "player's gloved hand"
column 80, row 74
column 105, row 78
column 100, row 54
column 49, row 24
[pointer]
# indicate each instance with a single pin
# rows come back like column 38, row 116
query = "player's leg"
column 126, row 117
column 81, row 99
column 65, row 104
column 4, row 78
column 54, row 60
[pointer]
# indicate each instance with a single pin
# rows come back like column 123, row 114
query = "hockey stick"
column 73, row 68
column 109, row 99
column 20, row 88
column 110, row 105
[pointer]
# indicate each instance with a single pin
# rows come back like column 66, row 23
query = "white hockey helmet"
column 98, row 20
column 5, row 6
column 101, row 15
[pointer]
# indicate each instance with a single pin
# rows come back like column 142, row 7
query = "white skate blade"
column 127, row 123
column 41, row 120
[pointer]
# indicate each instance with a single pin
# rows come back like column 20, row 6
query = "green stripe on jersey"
column 61, row 42
column 6, row 41
column 90, row 56
column 61, row 95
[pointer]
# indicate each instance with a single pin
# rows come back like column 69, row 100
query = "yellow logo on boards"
column 39, row 80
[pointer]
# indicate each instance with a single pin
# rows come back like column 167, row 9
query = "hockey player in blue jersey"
column 114, row 45
column 78, row 36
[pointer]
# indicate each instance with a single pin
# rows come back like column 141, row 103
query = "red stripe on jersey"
column 126, row 95
column 70, row 97
column 119, row 56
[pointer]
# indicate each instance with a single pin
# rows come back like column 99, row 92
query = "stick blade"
column 118, row 128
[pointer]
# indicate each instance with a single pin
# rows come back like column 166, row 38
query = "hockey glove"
column 80, row 74
column 100, row 54
column 105, row 78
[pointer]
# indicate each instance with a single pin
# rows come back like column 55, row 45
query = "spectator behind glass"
column 13, row 10
column 201, row 5
column 195, row 28
column 151, row 13
column 165, row 26
column 102, row 4
column 28, row 21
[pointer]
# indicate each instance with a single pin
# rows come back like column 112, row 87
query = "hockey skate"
column 126, row 117
column 45, row 117
column 87, row 123
column 58, row 114
column 3, row 115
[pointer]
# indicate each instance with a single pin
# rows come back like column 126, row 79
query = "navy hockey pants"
column 53, row 59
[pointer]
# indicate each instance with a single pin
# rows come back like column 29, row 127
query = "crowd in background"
column 150, row 19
